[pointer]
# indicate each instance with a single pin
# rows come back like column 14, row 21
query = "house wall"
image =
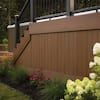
column 62, row 47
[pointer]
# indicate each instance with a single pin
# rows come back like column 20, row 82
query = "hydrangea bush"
column 80, row 90
column 95, row 68
column 87, row 89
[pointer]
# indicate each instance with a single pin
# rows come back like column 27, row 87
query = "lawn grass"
column 8, row 93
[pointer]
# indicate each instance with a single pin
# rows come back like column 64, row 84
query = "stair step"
column 5, row 55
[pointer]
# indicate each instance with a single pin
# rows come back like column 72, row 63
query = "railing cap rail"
column 22, row 25
column 16, row 15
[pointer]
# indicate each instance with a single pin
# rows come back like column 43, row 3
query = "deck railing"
column 34, row 10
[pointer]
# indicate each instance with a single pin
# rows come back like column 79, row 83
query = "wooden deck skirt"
column 62, row 47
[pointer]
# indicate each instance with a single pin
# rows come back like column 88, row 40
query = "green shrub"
column 18, row 76
column 53, row 90
column 4, row 68
column 5, row 43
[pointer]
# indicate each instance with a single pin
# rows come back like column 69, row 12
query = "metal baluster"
column 46, row 7
column 61, row 6
column 42, row 8
column 32, row 10
column 49, row 7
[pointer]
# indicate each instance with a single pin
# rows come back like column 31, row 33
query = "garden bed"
column 37, row 87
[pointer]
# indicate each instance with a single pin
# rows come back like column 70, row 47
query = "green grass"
column 8, row 93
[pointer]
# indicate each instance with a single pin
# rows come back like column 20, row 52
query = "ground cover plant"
column 8, row 93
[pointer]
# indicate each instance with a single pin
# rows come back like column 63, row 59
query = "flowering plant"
column 95, row 68
column 37, row 78
column 80, row 90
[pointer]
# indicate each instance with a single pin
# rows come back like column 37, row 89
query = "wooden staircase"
column 20, row 47
column 5, row 55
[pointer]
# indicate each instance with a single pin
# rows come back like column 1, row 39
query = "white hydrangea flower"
column 79, row 90
column 98, row 84
column 85, row 81
column 70, row 90
column 92, row 75
column 92, row 64
column 96, row 49
column 97, row 60
column 70, row 86
column 70, row 83
column 79, row 97
column 90, row 86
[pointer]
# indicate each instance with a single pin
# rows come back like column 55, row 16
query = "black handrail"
column 51, row 16
column 24, row 7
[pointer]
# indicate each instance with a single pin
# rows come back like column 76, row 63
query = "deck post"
column 17, row 30
column 69, row 7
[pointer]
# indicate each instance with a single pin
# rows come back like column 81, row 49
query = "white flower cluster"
column 79, row 87
column 95, row 68
column 96, row 49
column 96, row 63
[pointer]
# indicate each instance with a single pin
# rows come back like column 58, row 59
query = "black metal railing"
column 48, row 7
column 40, row 9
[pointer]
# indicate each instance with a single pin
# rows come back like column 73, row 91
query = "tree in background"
column 86, row 3
column 8, row 8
